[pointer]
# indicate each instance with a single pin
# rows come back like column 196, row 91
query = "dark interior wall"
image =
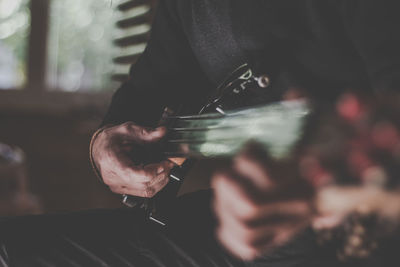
column 56, row 146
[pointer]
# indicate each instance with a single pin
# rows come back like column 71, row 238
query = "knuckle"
column 249, row 210
column 143, row 131
column 221, row 174
column 303, row 208
column 127, row 125
column 146, row 185
column 107, row 134
column 222, row 236
column 149, row 192
column 249, row 253
column 165, row 177
column 144, row 173
column 164, row 180
column 139, row 176
column 150, row 173
column 252, row 240
column 282, row 238
column 108, row 180
column 247, row 235
column 114, row 189
column 146, row 178
column 109, row 154
column 218, row 179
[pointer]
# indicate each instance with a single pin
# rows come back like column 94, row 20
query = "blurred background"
column 60, row 62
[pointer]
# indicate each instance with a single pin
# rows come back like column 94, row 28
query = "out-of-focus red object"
column 385, row 136
column 350, row 107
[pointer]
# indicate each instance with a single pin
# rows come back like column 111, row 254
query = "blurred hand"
column 111, row 150
column 253, row 211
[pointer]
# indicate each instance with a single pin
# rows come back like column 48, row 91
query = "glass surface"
column 80, row 45
column 14, row 31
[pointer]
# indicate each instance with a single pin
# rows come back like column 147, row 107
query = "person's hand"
column 257, row 213
column 111, row 155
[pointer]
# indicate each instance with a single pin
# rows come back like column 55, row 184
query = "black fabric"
column 122, row 237
column 320, row 46
column 119, row 238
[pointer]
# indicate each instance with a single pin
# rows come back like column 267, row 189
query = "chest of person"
column 300, row 44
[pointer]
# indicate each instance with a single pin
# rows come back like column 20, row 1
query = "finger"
column 158, row 168
column 129, row 130
column 257, row 234
column 254, row 170
column 327, row 221
column 251, row 249
column 278, row 212
column 282, row 236
column 230, row 196
column 115, row 170
column 132, row 191
column 145, row 174
column 255, row 164
column 120, row 175
column 145, row 190
column 235, row 246
column 134, row 132
column 152, row 135
column 159, row 185
column 161, row 178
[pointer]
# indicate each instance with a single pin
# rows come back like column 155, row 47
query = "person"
column 319, row 47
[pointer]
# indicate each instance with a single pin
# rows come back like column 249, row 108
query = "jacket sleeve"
column 374, row 28
column 166, row 74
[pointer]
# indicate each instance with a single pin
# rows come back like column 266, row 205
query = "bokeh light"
column 14, row 30
column 80, row 45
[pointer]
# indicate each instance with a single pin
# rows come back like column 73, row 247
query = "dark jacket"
column 320, row 46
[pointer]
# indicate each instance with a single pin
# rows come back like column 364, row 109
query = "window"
column 14, row 29
column 70, row 46
column 80, row 45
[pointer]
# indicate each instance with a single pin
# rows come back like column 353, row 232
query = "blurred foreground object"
column 353, row 158
column 15, row 198
column 369, row 215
